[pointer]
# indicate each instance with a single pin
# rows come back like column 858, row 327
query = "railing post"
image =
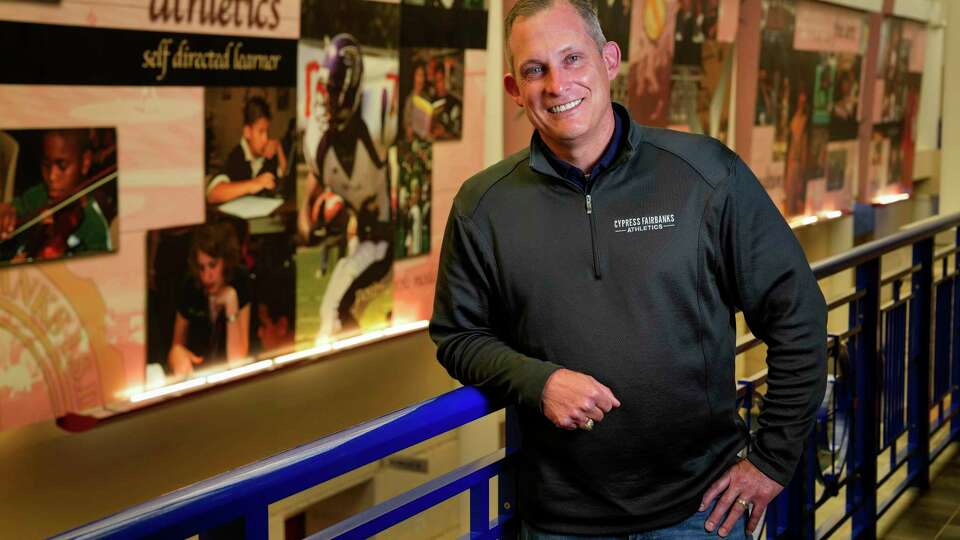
column 507, row 479
column 955, row 328
column 777, row 518
column 918, row 374
column 862, row 489
column 480, row 507
column 806, row 481
column 791, row 516
column 256, row 523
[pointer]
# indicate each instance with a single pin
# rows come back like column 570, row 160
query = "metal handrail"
column 294, row 470
column 871, row 250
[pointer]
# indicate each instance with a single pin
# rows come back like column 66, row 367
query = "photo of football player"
column 346, row 207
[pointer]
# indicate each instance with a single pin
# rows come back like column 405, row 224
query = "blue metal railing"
column 901, row 343
column 894, row 367
column 246, row 492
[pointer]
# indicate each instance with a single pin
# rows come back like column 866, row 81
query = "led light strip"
column 887, row 199
column 803, row 220
column 167, row 390
column 300, row 355
column 357, row 340
column 404, row 328
column 240, row 371
column 268, row 364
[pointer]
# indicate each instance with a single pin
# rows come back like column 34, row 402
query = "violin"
column 48, row 239
column 44, row 234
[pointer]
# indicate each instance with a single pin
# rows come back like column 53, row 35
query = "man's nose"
column 55, row 175
column 556, row 82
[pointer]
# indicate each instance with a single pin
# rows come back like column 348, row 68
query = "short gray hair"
column 529, row 8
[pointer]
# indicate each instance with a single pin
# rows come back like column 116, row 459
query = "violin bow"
column 60, row 205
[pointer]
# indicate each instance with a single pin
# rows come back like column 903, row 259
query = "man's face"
column 257, row 135
column 560, row 76
column 63, row 166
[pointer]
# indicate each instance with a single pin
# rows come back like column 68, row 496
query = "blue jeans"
column 690, row 528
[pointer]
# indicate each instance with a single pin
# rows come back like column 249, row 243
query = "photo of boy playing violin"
column 58, row 193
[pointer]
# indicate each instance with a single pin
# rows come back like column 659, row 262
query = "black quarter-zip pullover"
column 635, row 282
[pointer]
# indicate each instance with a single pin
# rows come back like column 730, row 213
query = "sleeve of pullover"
column 464, row 326
column 774, row 287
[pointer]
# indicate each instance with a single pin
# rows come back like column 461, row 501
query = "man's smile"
column 557, row 109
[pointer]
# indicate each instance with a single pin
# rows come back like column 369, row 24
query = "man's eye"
column 533, row 71
column 574, row 58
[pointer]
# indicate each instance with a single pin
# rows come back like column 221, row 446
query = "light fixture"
column 169, row 389
column 312, row 352
column 892, row 198
column 357, row 340
column 300, row 355
column 239, row 371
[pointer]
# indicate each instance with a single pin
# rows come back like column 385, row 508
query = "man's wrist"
column 767, row 468
column 538, row 381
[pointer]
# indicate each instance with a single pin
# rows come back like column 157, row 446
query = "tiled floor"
column 934, row 515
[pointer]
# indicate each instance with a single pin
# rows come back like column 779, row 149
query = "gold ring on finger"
column 743, row 503
column 588, row 425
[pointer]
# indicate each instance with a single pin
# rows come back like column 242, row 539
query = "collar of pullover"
column 625, row 136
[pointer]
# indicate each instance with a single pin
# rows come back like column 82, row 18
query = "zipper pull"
column 589, row 205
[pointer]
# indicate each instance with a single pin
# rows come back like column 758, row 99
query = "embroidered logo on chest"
column 644, row 223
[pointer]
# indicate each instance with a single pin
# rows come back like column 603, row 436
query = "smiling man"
column 593, row 280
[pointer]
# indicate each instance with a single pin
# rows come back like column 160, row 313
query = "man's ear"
column 247, row 132
column 611, row 59
column 512, row 88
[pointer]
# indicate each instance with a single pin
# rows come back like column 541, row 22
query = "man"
column 66, row 162
column 593, row 280
column 254, row 164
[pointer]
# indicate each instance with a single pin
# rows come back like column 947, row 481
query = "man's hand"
column 182, row 361
column 742, row 482
column 226, row 300
column 569, row 398
column 270, row 150
column 8, row 220
column 265, row 180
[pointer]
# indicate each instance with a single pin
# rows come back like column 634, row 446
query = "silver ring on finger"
column 587, row 426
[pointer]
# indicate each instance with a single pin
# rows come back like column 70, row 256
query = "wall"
column 54, row 480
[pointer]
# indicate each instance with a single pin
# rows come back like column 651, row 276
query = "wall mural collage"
column 805, row 147
column 190, row 193
column 678, row 62
column 896, row 105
